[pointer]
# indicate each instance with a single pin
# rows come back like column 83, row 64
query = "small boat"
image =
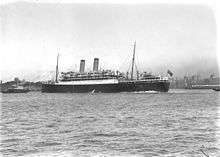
column 216, row 89
column 19, row 89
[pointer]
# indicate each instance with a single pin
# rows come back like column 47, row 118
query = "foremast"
column 57, row 69
column 133, row 59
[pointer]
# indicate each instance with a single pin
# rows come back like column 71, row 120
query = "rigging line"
column 125, row 62
column 138, row 62
column 136, row 67
column 137, row 71
column 129, row 67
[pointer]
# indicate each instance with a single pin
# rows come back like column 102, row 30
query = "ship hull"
column 130, row 86
column 16, row 91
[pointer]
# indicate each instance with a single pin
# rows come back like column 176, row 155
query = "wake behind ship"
column 105, row 81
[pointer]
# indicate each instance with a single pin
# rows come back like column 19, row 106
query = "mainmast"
column 132, row 68
column 57, row 72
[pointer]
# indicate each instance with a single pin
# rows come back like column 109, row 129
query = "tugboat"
column 106, row 81
column 216, row 89
column 16, row 89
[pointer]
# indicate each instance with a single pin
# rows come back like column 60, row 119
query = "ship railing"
column 48, row 82
column 90, row 73
column 88, row 78
column 154, row 80
column 84, row 74
column 92, row 77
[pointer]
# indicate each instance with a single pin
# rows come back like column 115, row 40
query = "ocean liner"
column 105, row 81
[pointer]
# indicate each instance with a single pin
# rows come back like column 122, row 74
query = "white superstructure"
column 89, row 82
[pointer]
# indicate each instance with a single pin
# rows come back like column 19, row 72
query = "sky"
column 178, row 37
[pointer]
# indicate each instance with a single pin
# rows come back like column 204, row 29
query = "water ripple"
column 177, row 123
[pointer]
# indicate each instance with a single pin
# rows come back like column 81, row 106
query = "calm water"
column 178, row 123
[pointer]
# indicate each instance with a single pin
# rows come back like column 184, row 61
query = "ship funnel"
column 95, row 64
column 82, row 66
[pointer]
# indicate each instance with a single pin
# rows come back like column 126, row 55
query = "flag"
column 169, row 72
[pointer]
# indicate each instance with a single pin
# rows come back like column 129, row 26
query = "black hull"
column 216, row 89
column 16, row 91
column 160, row 86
